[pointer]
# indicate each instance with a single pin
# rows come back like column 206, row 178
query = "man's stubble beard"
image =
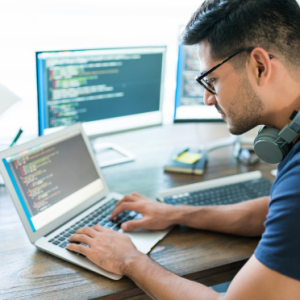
column 246, row 109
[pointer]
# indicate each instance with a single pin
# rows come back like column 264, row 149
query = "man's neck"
column 281, row 96
column 279, row 115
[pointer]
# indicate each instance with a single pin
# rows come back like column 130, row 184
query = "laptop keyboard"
column 222, row 195
column 99, row 216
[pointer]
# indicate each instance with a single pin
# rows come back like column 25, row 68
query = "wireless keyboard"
column 223, row 195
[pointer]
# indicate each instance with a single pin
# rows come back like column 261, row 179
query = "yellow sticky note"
column 188, row 158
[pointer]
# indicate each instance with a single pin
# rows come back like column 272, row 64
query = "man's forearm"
column 159, row 283
column 245, row 218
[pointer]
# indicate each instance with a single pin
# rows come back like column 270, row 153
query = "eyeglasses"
column 205, row 82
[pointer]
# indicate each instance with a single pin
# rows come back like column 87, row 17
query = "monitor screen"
column 189, row 105
column 52, row 178
column 107, row 90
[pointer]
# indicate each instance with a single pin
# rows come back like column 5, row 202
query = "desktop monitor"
column 189, row 105
column 108, row 90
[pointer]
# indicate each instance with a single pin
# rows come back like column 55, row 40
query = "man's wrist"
column 131, row 263
column 187, row 215
column 173, row 214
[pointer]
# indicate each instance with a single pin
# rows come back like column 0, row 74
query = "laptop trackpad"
column 145, row 239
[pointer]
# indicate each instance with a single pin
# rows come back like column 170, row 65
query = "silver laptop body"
column 54, row 182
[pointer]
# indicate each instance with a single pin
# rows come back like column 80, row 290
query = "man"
column 259, row 84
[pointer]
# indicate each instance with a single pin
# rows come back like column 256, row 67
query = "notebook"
column 192, row 161
column 57, row 187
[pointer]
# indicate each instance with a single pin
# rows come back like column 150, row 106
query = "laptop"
column 57, row 187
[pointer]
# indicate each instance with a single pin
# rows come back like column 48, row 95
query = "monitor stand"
column 109, row 154
column 237, row 142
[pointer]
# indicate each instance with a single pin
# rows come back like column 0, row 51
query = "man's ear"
column 260, row 66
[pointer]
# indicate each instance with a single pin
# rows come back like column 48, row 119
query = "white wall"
column 31, row 25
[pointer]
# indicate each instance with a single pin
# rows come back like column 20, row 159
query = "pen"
column 16, row 137
column 183, row 151
column 157, row 199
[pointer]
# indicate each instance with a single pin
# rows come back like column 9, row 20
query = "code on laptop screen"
column 53, row 178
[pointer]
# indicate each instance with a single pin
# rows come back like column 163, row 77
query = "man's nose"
column 209, row 98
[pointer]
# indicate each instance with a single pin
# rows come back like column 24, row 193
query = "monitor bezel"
column 154, row 123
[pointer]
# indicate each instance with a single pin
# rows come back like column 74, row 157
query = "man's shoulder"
column 292, row 159
column 288, row 172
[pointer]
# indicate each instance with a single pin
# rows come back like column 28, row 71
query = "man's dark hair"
column 231, row 25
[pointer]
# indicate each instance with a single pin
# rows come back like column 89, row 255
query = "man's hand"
column 107, row 248
column 156, row 215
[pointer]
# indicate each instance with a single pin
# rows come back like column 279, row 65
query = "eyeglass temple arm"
column 226, row 59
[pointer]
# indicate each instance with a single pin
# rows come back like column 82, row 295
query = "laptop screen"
column 52, row 178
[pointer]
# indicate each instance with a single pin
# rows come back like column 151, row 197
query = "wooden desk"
column 209, row 258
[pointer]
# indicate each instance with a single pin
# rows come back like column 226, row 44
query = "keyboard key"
column 132, row 214
column 64, row 244
column 55, row 242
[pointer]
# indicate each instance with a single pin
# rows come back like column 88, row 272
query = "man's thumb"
column 132, row 225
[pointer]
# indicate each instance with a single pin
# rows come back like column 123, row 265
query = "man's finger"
column 82, row 238
column 99, row 228
column 125, row 206
column 127, row 198
column 78, row 248
column 87, row 231
column 133, row 225
column 135, row 194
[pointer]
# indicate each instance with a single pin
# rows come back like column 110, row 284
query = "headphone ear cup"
column 267, row 149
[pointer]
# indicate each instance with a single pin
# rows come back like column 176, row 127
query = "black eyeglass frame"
column 207, row 85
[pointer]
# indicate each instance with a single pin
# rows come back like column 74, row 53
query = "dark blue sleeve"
column 279, row 247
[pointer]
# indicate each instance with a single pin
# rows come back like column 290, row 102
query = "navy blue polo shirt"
column 279, row 247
